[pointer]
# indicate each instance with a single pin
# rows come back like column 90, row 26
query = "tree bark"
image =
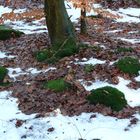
column 83, row 21
column 59, row 26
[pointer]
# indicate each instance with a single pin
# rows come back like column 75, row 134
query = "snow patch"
column 133, row 41
column 4, row 55
column 92, row 61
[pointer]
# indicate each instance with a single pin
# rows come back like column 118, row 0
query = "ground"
column 30, row 112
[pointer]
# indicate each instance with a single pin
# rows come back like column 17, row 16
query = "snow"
column 132, row 96
column 133, row 41
column 27, row 28
column 65, row 128
column 3, row 55
column 138, row 78
column 113, row 31
column 8, row 10
column 15, row 72
column 92, row 61
column 132, row 18
column 130, row 11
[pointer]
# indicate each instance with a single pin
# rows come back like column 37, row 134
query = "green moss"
column 122, row 49
column 3, row 73
column 85, row 46
column 65, row 49
column 56, row 52
column 6, row 33
column 108, row 96
column 88, row 68
column 43, row 55
column 57, row 85
column 129, row 65
column 5, row 84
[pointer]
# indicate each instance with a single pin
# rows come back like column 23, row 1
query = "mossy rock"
column 129, row 65
column 88, row 68
column 108, row 96
column 7, row 33
column 57, row 85
column 3, row 73
column 123, row 49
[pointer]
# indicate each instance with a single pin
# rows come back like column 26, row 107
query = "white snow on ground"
column 65, row 128
column 133, row 17
column 15, row 72
column 27, row 28
column 4, row 55
column 92, row 61
column 133, row 41
column 132, row 96
column 8, row 10
column 138, row 78
column 113, row 31
column 130, row 11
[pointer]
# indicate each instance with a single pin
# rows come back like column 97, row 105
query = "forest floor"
column 30, row 112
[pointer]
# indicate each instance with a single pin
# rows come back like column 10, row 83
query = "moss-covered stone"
column 88, row 68
column 3, row 73
column 57, row 85
column 129, row 65
column 108, row 96
column 7, row 33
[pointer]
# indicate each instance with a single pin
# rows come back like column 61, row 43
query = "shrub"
column 129, row 65
column 3, row 73
column 108, row 96
column 57, row 85
column 6, row 33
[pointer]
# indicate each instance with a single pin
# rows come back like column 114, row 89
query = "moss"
column 88, row 68
column 7, row 33
column 43, row 55
column 3, row 73
column 122, row 49
column 57, row 85
column 108, row 96
column 5, row 84
column 56, row 52
column 65, row 49
column 129, row 65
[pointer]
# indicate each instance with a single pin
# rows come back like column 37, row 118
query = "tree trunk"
column 59, row 26
column 83, row 21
